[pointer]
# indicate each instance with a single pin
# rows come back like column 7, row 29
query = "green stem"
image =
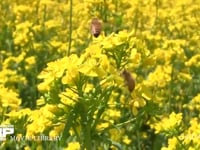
column 85, row 125
column 126, row 122
column 138, row 140
column 70, row 27
column 68, row 125
column 87, row 138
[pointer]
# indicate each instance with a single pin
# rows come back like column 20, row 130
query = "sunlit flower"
column 27, row 148
column 194, row 104
column 56, row 130
column 52, row 24
column 172, row 144
column 116, row 134
column 160, row 77
column 126, row 140
column 102, row 126
column 168, row 123
column 54, row 71
column 40, row 120
column 135, row 57
column 22, row 9
column 40, row 101
column 19, row 114
column 72, row 66
column 68, row 97
column 73, row 146
column 194, row 61
column 9, row 98
column 89, row 67
column 21, row 35
column 113, row 114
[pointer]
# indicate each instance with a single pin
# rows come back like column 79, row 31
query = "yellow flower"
column 73, row 146
column 136, row 103
column 192, row 134
column 88, row 87
column 21, row 34
column 47, row 2
column 11, row 59
column 11, row 76
column 194, row 104
column 27, row 148
column 45, row 86
column 56, row 44
column 40, row 101
column 191, row 148
column 68, row 97
column 116, row 134
column 9, row 98
column 72, row 66
column 160, row 77
column 194, row 61
column 134, row 111
column 40, row 120
column 113, row 114
column 172, row 144
column 22, row 9
column 126, row 140
column 93, row 50
column 54, row 71
column 144, row 91
column 52, row 24
column 57, row 130
column 168, row 123
column 19, row 114
column 39, row 147
column 135, row 57
column 102, row 126
column 88, row 68
column 30, row 60
column 184, row 76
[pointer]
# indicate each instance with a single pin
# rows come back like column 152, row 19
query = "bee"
column 96, row 27
column 129, row 80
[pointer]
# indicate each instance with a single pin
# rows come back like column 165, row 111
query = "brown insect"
column 129, row 80
column 96, row 27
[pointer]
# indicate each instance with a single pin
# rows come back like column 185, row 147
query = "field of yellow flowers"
column 63, row 88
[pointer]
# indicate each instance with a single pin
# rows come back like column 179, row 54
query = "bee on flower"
column 129, row 80
column 96, row 27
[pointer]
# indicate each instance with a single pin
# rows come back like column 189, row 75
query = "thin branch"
column 70, row 27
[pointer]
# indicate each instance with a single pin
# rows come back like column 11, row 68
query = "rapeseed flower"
column 168, row 124
column 194, row 104
column 39, row 120
column 9, row 98
column 192, row 134
column 194, row 61
column 57, row 130
column 68, row 97
column 172, row 144
column 54, row 71
column 21, row 34
column 160, row 77
column 73, row 146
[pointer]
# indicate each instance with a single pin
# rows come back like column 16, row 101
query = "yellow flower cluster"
column 9, row 99
column 167, row 124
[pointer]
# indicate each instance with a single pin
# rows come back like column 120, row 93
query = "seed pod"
column 96, row 27
column 129, row 80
